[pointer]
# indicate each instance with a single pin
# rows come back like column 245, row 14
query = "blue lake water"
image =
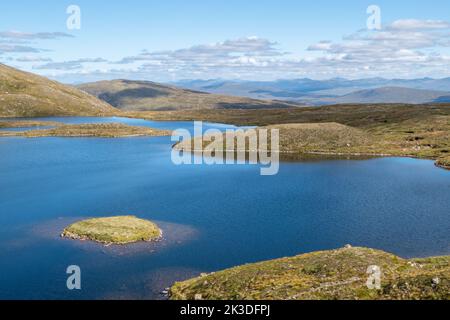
column 213, row 217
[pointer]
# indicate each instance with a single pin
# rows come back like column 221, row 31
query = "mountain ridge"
column 138, row 95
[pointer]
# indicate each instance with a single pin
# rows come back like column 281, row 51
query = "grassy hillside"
column 304, row 137
column 359, row 116
column 145, row 95
column 24, row 94
column 300, row 138
column 329, row 275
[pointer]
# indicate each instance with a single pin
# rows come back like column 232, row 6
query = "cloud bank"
column 404, row 48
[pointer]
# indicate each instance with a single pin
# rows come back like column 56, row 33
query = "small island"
column 101, row 130
column 27, row 124
column 114, row 230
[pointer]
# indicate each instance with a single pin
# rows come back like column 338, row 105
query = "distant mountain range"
column 332, row 91
column 25, row 94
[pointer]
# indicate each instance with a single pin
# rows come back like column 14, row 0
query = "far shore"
column 102, row 130
column 398, row 130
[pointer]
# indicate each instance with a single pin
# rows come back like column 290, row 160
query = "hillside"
column 328, row 275
column 24, row 94
column 149, row 96
column 391, row 95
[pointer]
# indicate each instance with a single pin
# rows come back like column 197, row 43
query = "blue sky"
column 259, row 40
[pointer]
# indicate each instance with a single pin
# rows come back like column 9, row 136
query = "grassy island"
column 18, row 124
column 27, row 124
column 103, row 130
column 340, row 274
column 114, row 230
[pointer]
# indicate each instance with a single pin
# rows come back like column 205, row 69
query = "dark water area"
column 213, row 217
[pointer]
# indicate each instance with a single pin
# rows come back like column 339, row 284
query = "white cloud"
column 11, row 48
column 34, row 36
column 404, row 48
column 20, row 42
column 413, row 24
column 33, row 59
column 227, row 50
column 68, row 65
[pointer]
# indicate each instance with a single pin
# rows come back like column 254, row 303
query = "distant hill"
column 391, row 95
column 336, row 90
column 24, row 94
column 150, row 96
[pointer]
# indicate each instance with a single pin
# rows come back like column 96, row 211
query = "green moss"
column 114, row 230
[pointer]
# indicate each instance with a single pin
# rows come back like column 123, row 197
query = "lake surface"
column 213, row 217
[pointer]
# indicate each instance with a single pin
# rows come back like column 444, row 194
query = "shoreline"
column 337, row 154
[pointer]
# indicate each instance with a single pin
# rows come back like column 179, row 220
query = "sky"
column 173, row 40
